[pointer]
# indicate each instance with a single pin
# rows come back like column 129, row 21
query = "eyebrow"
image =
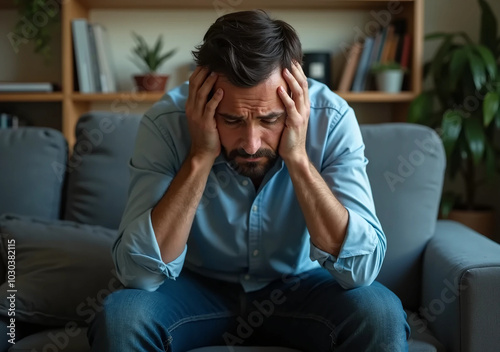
column 271, row 115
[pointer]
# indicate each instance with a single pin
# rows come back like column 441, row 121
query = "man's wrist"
column 199, row 161
column 297, row 162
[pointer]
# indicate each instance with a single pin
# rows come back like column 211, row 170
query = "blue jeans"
column 308, row 312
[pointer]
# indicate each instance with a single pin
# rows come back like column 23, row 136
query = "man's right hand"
column 200, row 113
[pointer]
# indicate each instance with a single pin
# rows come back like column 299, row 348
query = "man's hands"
column 293, row 140
column 200, row 113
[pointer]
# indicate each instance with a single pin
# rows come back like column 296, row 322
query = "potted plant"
column 149, row 59
column 26, row 30
column 463, row 107
column 388, row 76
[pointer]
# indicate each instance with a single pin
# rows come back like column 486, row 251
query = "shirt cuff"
column 360, row 239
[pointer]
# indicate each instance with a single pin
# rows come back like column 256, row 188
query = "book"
column 405, row 52
column 350, row 67
column 388, row 42
column 104, row 59
column 81, row 47
column 26, row 87
column 8, row 121
column 363, row 66
column 94, row 65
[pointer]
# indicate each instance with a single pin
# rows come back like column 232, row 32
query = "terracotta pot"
column 151, row 82
column 482, row 221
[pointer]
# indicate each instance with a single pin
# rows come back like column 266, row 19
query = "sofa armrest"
column 461, row 288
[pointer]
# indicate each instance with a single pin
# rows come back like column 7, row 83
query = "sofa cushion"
column 63, row 270
column 98, row 175
column 71, row 338
column 32, row 161
column 406, row 170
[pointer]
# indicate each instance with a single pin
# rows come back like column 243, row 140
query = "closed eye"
column 232, row 121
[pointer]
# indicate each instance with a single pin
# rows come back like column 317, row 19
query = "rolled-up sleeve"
column 344, row 170
column 136, row 252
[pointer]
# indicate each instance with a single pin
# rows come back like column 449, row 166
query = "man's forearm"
column 325, row 216
column 173, row 216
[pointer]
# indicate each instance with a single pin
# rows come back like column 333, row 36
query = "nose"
column 251, row 140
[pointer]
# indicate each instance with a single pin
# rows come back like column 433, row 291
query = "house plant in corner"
column 464, row 108
column 388, row 76
column 29, row 30
column 149, row 59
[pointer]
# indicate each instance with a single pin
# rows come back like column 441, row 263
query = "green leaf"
column 489, row 26
column 457, row 66
column 437, row 35
column 421, row 109
column 476, row 139
column 450, row 130
column 478, row 70
column 488, row 59
column 490, row 107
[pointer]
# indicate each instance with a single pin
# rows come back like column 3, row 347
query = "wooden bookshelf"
column 31, row 97
column 74, row 103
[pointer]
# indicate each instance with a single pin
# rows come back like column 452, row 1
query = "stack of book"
column 93, row 60
column 390, row 44
column 26, row 87
column 8, row 121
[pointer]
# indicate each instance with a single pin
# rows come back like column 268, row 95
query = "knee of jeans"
column 381, row 311
column 129, row 306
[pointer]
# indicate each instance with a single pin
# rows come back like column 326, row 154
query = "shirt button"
column 247, row 277
column 255, row 253
column 254, row 208
column 244, row 182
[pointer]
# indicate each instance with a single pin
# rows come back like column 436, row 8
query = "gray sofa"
column 63, row 215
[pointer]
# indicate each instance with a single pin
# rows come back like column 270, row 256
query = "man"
column 250, row 219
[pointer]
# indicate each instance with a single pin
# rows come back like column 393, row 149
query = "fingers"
column 214, row 102
column 201, row 83
column 298, row 101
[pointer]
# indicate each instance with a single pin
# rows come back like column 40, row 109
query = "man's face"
column 250, row 122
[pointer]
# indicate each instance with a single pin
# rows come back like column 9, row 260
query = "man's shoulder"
column 322, row 98
column 326, row 106
column 171, row 106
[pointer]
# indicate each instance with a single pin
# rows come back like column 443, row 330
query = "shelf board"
column 137, row 97
column 234, row 5
column 31, row 97
column 377, row 97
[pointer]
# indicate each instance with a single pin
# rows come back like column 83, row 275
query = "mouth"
column 250, row 160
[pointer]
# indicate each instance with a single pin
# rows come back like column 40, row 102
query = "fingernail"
column 212, row 74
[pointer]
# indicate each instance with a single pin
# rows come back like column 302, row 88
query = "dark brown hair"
column 248, row 46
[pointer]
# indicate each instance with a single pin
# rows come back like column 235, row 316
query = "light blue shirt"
column 241, row 234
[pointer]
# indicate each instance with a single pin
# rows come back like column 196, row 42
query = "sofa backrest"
column 97, row 173
column 32, row 163
column 406, row 170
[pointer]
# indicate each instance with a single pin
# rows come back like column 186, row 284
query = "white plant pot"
column 390, row 81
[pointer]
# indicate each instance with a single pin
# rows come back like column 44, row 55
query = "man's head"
column 248, row 46
column 249, row 50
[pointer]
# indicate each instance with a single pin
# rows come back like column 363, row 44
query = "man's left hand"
column 293, row 139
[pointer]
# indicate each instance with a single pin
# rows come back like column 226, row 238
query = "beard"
column 251, row 169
